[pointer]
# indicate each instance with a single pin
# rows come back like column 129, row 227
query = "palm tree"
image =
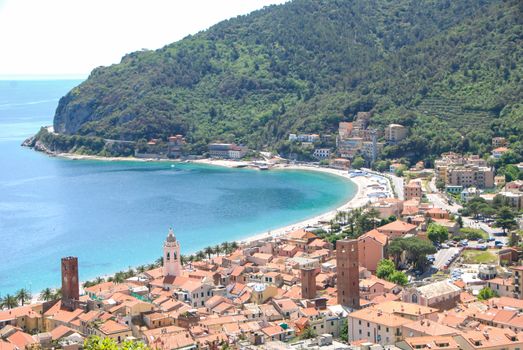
column 226, row 246
column 183, row 259
column 23, row 295
column 208, row 251
column 217, row 249
column 119, row 277
column 200, row 255
column 140, row 268
column 234, row 245
column 151, row 266
column 57, row 294
column 9, row 301
column 47, row 294
column 99, row 280
column 159, row 262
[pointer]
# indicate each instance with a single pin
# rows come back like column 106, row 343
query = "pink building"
column 371, row 249
column 397, row 228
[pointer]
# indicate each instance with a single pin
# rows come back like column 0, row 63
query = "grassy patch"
column 478, row 257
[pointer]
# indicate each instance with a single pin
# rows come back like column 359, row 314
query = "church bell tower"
column 171, row 256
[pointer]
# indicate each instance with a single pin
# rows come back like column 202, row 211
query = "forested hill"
column 450, row 70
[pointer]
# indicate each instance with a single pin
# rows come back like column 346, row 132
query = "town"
column 433, row 263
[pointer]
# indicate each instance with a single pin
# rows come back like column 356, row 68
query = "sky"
column 68, row 38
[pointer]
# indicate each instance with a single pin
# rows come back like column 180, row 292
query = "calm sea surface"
column 113, row 215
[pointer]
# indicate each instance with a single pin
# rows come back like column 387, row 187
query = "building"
column 308, row 283
column 340, row 163
column 442, row 295
column 388, row 207
column 171, row 256
column 348, row 273
column 499, row 142
column 371, row 249
column 468, row 193
column 174, row 146
column 376, row 326
column 499, row 152
column 429, row 343
column 413, row 190
column 397, row 228
column 512, row 199
column 322, row 153
column 470, row 175
column 518, row 281
column 490, row 338
column 227, row 150
column 395, row 133
column 70, row 283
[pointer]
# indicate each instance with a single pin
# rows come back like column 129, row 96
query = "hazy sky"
column 71, row 37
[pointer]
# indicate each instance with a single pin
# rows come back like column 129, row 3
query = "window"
column 379, row 328
column 359, row 322
column 359, row 331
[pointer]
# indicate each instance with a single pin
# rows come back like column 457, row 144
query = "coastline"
column 364, row 186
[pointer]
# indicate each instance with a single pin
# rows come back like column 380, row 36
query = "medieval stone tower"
column 171, row 256
column 70, row 283
column 348, row 280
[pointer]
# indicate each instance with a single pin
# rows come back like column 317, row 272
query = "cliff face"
column 449, row 67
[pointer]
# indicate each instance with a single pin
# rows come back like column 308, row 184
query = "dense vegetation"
column 449, row 70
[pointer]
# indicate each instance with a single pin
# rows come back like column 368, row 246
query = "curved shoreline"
column 358, row 199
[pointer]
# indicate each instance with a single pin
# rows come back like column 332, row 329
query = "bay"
column 113, row 215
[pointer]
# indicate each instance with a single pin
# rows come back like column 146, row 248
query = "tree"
column 440, row 185
column 208, row 251
column 385, row 268
column 23, row 295
column 398, row 277
column 9, row 301
column 358, row 163
column 486, row 293
column 226, row 246
column 344, row 333
column 505, row 219
column 47, row 294
column 459, row 220
column 437, row 233
column 217, row 249
column 97, row 343
column 308, row 333
column 234, row 246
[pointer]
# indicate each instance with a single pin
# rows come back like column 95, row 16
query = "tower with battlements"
column 70, row 283
column 348, row 281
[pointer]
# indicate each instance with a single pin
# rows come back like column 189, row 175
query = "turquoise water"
column 113, row 215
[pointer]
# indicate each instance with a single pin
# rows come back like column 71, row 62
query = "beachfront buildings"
column 355, row 138
column 227, row 151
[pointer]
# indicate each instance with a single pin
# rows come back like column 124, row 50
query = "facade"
column 513, row 199
column 413, row 190
column 518, row 281
column 308, row 283
column 174, row 146
column 371, row 249
column 340, row 163
column 442, row 295
column 171, row 256
column 70, row 283
column 227, row 150
column 397, row 228
column 499, row 142
column 468, row 193
column 348, row 273
column 322, row 153
column 395, row 133
column 376, row 326
column 468, row 176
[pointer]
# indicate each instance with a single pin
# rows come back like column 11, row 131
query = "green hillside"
column 450, row 70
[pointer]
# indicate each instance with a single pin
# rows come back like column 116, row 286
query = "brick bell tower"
column 348, row 280
column 308, row 283
column 70, row 283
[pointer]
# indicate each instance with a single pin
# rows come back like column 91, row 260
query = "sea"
column 114, row 215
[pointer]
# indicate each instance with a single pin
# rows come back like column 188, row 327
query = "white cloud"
column 71, row 37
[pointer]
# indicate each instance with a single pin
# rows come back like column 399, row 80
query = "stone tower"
column 348, row 280
column 70, row 283
column 171, row 256
column 308, row 283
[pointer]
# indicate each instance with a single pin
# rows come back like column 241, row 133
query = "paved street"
column 443, row 256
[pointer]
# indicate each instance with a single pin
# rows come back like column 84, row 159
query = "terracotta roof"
column 376, row 235
column 61, row 331
column 397, row 225
column 111, row 327
column 373, row 315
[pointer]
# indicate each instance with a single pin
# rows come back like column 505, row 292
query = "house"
column 376, row 326
column 322, row 153
column 468, row 193
column 371, row 249
column 491, row 338
column 413, row 190
column 227, row 150
column 397, row 228
column 499, row 152
column 428, row 343
column 395, row 133
column 340, row 163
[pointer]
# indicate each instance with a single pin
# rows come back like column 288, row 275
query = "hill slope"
column 451, row 70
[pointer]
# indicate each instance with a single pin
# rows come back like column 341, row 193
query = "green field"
column 479, row 257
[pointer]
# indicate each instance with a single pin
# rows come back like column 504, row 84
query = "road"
column 397, row 182
column 443, row 256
